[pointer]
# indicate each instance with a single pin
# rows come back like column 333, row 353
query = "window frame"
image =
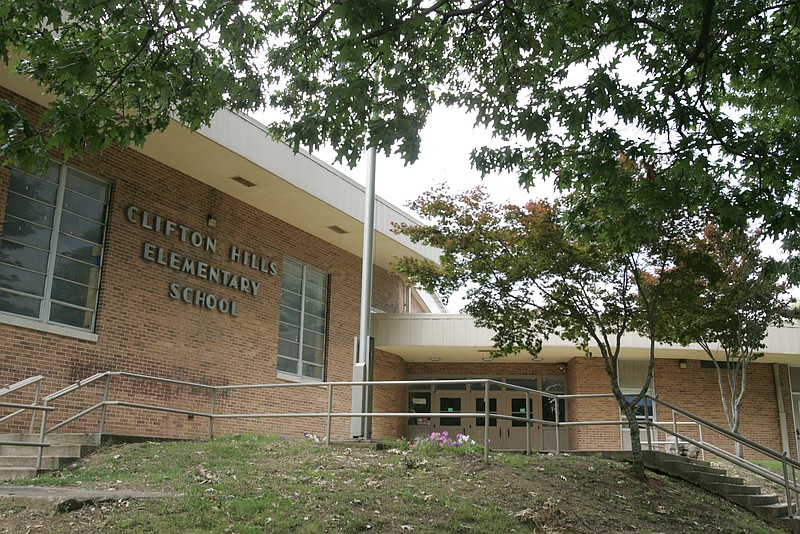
column 44, row 320
column 298, row 374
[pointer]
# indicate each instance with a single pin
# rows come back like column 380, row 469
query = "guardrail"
column 22, row 408
column 790, row 466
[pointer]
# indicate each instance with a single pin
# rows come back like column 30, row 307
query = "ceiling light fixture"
column 244, row 181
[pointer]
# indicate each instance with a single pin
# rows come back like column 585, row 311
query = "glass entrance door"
column 476, row 428
column 450, row 402
column 517, row 431
column 454, row 400
column 553, row 410
column 504, row 434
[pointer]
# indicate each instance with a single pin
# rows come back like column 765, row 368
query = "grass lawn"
column 270, row 484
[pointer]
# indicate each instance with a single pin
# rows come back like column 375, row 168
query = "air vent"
column 338, row 229
column 245, row 182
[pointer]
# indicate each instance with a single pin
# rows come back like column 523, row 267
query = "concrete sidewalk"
column 67, row 498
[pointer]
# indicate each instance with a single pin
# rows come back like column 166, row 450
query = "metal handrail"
column 74, row 386
column 786, row 462
column 37, row 380
column 727, row 433
column 21, row 384
column 328, row 414
column 23, row 408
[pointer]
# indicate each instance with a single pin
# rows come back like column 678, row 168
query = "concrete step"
column 56, row 439
column 771, row 512
column 731, row 489
column 76, row 451
column 48, row 462
column 658, row 457
column 10, row 473
column 792, row 524
column 749, row 501
column 710, row 478
column 684, row 467
column 768, row 507
column 20, row 460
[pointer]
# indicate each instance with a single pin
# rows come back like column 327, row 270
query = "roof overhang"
column 235, row 151
column 455, row 338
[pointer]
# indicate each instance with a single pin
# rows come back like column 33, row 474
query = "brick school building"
column 221, row 258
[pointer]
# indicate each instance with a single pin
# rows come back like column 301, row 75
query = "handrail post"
column 35, row 403
column 328, row 418
column 42, row 432
column 528, row 422
column 486, row 421
column 794, row 483
column 558, row 426
column 103, row 410
column 675, row 430
column 702, row 450
column 211, row 418
column 647, row 424
column 786, row 487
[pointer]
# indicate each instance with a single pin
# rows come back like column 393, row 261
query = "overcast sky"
column 447, row 141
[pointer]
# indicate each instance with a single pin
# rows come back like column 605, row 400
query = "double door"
column 504, row 434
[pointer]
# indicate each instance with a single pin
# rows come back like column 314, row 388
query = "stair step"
column 48, row 462
column 792, row 524
column 77, row 451
column 771, row 511
column 18, row 461
column 9, row 473
column 732, row 489
column 657, row 456
column 56, row 439
column 749, row 501
column 683, row 467
column 710, row 478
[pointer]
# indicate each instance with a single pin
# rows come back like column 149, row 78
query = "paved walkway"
column 65, row 498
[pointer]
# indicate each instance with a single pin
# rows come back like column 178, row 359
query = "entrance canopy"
column 455, row 338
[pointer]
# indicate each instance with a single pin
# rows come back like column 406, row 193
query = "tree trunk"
column 636, row 443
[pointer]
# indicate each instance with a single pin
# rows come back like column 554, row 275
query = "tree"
column 724, row 296
column 116, row 72
column 705, row 91
column 528, row 278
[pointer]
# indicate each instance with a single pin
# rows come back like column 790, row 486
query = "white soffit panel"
column 455, row 338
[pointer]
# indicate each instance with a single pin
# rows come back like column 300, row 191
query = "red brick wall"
column 696, row 390
column 692, row 389
column 586, row 376
column 141, row 330
column 389, row 398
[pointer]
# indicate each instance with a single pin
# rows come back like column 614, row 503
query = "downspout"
column 781, row 408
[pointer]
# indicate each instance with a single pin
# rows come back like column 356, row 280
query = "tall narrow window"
column 304, row 311
column 52, row 246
